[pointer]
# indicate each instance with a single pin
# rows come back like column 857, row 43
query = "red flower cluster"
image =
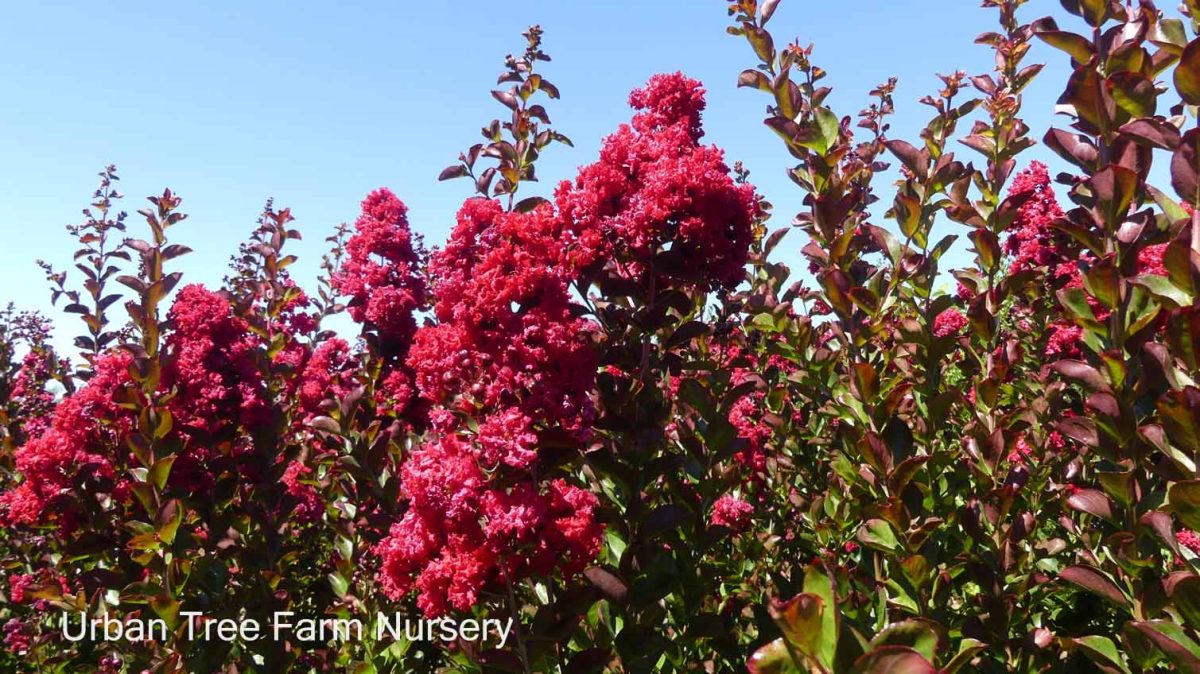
column 509, row 353
column 18, row 636
column 1188, row 539
column 732, row 512
column 35, row 403
column 307, row 503
column 1031, row 241
column 1150, row 260
column 461, row 533
column 657, row 199
column 77, row 446
column 948, row 323
column 381, row 276
column 323, row 376
column 381, row 273
column 212, row 365
column 508, row 350
column 748, row 414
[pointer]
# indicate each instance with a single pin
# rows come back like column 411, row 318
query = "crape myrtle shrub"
column 611, row 417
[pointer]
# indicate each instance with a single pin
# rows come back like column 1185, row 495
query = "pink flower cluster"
column 307, row 504
column 35, row 403
column 324, row 375
column 1188, row 539
column 509, row 353
column 659, row 202
column 1035, row 244
column 212, row 365
column 381, row 273
column 748, row 414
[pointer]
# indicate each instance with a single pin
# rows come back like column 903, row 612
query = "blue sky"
column 315, row 104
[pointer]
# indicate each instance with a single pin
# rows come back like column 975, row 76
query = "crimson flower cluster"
column 77, row 443
column 213, row 364
column 1035, row 244
column 657, row 203
column 731, row 512
column 509, row 354
column 381, row 277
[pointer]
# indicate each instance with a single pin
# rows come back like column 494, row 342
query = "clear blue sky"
column 315, row 104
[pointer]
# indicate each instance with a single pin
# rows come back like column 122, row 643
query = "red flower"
column 212, row 364
column 1031, row 240
column 653, row 188
column 949, row 322
column 18, row 636
column 1188, row 539
column 458, row 526
column 732, row 512
column 508, row 343
column 17, row 584
column 1150, row 260
column 308, row 506
column 324, row 375
column 78, row 445
column 381, row 276
column 381, row 272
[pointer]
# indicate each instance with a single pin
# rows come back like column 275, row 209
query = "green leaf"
column 167, row 608
column 170, row 516
column 915, row 634
column 1187, row 73
column 1179, row 421
column 1092, row 502
column 966, row 652
column 1162, row 288
column 1169, row 206
column 773, row 659
column 1079, row 47
column 1074, row 300
column 1185, row 168
column 1184, row 499
column 822, row 133
column 987, row 246
column 1095, row 581
column 1185, row 595
column 877, row 534
column 1102, row 651
column 1095, row 12
column 339, row 584
column 800, row 620
column 1173, row 642
column 818, row 584
column 160, row 471
column 1133, row 93
column 894, row 660
column 1114, row 188
column 1103, row 281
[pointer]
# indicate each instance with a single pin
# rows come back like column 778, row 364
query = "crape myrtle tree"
column 608, row 415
